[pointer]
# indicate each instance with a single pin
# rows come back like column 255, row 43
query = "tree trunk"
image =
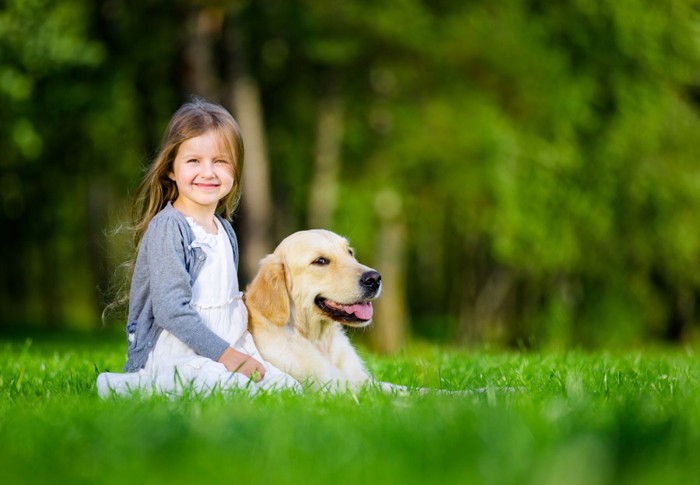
column 204, row 28
column 391, row 327
column 257, row 192
column 480, row 320
column 324, row 189
column 257, row 198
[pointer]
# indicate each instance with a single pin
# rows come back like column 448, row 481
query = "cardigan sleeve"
column 171, row 289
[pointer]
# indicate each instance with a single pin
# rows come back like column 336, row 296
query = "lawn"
column 573, row 418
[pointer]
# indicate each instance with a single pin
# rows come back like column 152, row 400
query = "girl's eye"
column 192, row 160
column 321, row 261
column 221, row 161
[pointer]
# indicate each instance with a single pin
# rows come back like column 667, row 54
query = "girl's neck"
column 202, row 216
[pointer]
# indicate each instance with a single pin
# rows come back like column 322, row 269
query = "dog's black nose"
column 371, row 280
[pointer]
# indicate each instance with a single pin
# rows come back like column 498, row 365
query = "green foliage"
column 555, row 143
column 544, row 154
column 578, row 417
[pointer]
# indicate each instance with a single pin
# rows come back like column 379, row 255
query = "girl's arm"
column 171, row 289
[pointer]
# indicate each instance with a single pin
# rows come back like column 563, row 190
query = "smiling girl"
column 187, row 324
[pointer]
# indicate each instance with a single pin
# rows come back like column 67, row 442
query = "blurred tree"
column 502, row 128
column 541, row 158
column 257, row 205
column 44, row 81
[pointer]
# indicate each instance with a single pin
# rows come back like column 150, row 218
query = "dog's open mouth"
column 357, row 313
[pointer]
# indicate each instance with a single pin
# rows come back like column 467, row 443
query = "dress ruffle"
column 201, row 237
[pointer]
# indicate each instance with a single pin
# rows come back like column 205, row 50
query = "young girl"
column 187, row 323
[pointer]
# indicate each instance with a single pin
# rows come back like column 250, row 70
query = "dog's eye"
column 352, row 253
column 321, row 261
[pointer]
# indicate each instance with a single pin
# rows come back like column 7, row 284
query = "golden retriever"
column 303, row 294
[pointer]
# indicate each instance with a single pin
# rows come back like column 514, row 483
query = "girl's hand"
column 235, row 361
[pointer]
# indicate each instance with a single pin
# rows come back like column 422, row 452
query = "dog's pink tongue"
column 363, row 311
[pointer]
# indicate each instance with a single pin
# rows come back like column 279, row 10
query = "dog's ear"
column 267, row 293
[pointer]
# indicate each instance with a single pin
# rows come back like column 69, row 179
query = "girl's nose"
column 207, row 169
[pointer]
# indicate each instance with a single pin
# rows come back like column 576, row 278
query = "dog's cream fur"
column 291, row 331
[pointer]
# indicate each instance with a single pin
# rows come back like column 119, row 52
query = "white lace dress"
column 172, row 367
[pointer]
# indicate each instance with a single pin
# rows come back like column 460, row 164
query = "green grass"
column 588, row 418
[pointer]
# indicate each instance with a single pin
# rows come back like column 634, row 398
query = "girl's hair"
column 157, row 189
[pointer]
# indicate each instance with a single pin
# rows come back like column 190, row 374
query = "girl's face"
column 203, row 173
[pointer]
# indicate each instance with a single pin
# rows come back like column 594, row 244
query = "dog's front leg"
column 345, row 359
column 297, row 357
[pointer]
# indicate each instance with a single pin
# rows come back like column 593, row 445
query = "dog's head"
column 314, row 277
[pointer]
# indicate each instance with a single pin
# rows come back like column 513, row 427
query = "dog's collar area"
column 355, row 313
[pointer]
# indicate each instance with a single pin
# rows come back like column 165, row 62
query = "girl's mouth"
column 207, row 186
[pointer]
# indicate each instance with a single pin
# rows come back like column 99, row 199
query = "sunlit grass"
column 541, row 418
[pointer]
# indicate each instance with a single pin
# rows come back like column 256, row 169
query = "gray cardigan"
column 161, row 289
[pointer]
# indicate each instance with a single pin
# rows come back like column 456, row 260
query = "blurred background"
column 523, row 173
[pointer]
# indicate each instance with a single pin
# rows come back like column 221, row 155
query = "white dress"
column 174, row 368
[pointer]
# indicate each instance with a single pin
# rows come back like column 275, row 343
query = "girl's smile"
column 207, row 186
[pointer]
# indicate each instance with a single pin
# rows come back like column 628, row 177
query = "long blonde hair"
column 157, row 189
